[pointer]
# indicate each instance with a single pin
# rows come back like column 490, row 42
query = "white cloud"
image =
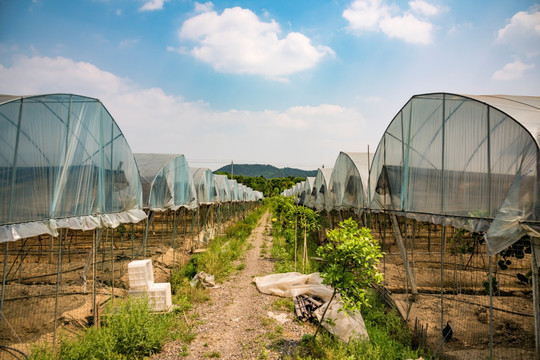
column 407, row 28
column 238, row 42
column 522, row 33
column 423, row 7
column 201, row 8
column 374, row 15
column 365, row 15
column 154, row 121
column 512, row 71
column 152, row 5
column 522, row 23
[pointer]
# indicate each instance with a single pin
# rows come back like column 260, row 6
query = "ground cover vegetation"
column 129, row 330
column 223, row 256
column 347, row 260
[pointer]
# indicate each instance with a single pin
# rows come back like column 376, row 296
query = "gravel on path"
column 239, row 322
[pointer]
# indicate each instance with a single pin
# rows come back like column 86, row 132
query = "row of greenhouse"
column 466, row 169
column 77, row 207
column 468, row 161
column 64, row 163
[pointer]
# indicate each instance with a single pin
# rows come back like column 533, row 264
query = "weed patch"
column 129, row 331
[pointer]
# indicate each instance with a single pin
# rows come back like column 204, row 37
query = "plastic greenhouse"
column 348, row 182
column 461, row 173
column 235, row 191
column 64, row 164
column 297, row 191
column 305, row 194
column 167, row 182
column 469, row 161
column 321, row 196
column 68, row 185
column 258, row 195
column 223, row 188
column 243, row 192
column 205, row 185
column 72, row 197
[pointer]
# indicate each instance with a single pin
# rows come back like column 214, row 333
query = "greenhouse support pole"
column 443, row 240
column 490, row 279
column 184, row 238
column 176, row 220
column 535, row 246
column 4, row 283
column 403, row 252
column 58, row 281
column 112, row 267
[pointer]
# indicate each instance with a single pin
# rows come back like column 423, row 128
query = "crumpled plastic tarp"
column 206, row 280
column 345, row 326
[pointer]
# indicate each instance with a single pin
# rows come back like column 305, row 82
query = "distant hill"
column 266, row 171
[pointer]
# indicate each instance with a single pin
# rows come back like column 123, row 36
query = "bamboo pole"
column 295, row 238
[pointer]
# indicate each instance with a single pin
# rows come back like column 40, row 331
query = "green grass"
column 129, row 331
column 283, row 252
column 283, row 304
column 389, row 339
column 219, row 258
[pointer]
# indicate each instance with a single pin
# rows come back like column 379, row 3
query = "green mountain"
column 266, row 171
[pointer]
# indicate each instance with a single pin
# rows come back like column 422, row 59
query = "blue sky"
column 288, row 83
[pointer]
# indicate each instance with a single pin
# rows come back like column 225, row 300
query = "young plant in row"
column 349, row 265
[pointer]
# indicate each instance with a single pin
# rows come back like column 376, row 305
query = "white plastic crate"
column 158, row 294
column 141, row 274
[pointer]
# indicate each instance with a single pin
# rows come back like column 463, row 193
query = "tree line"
column 269, row 187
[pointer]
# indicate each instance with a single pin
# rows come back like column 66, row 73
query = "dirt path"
column 239, row 322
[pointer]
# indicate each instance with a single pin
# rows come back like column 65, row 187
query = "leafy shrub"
column 350, row 262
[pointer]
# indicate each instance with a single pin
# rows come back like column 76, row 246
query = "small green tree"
column 308, row 221
column 350, row 261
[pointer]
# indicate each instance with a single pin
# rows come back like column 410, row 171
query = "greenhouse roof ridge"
column 523, row 109
column 5, row 98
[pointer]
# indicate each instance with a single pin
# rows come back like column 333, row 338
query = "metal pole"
column 112, row 267
column 443, row 239
column 490, row 279
column 95, row 246
column 58, row 281
column 535, row 246
column 4, row 282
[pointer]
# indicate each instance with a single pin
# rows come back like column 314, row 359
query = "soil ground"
column 239, row 322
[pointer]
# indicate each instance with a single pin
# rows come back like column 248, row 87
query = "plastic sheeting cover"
column 205, row 185
column 305, row 194
column 321, row 196
column 235, row 190
column 461, row 159
column 223, row 188
column 348, row 182
column 344, row 325
column 166, row 181
column 63, row 163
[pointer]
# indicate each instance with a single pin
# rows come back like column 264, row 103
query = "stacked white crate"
column 141, row 284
